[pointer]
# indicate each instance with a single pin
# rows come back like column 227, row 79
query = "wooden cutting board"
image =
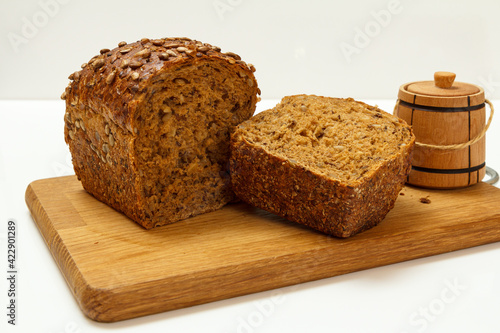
column 117, row 270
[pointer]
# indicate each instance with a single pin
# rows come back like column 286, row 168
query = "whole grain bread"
column 335, row 165
column 148, row 125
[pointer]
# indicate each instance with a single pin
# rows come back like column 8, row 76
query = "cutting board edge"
column 59, row 252
column 100, row 303
column 104, row 305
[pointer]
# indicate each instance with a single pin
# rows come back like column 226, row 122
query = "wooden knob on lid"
column 444, row 79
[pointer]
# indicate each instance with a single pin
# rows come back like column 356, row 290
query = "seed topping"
column 203, row 49
column 135, row 64
column 111, row 77
column 158, row 42
column 134, row 75
column 234, row 55
column 124, row 63
column 145, row 53
column 98, row 63
column 172, row 53
column 125, row 50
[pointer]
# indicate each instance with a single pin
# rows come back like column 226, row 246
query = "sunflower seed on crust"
column 111, row 77
column 203, row 49
column 135, row 64
column 234, row 55
column 98, row 63
column 158, row 42
column 134, row 75
column 171, row 53
column 145, row 53
column 126, row 50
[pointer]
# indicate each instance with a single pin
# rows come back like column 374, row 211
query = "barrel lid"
column 443, row 86
column 442, row 92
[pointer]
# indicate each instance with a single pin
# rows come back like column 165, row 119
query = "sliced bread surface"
column 335, row 165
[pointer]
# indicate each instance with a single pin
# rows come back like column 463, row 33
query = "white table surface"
column 454, row 292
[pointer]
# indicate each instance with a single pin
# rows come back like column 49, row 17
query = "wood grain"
column 118, row 270
column 433, row 99
column 427, row 109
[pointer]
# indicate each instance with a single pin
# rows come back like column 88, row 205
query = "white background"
column 296, row 46
column 334, row 48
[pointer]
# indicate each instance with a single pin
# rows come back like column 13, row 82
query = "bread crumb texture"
column 148, row 125
column 336, row 165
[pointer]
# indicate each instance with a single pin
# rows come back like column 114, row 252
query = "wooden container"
column 448, row 119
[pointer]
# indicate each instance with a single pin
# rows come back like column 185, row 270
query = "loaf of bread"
column 148, row 125
column 335, row 165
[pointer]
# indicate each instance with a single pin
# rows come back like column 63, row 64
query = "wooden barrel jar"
column 448, row 119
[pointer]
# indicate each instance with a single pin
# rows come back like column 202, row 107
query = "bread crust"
column 105, row 83
column 285, row 188
column 103, row 104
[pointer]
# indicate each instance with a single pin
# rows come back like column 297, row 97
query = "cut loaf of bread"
column 148, row 125
column 335, row 165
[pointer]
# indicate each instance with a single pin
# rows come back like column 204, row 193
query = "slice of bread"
column 335, row 165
